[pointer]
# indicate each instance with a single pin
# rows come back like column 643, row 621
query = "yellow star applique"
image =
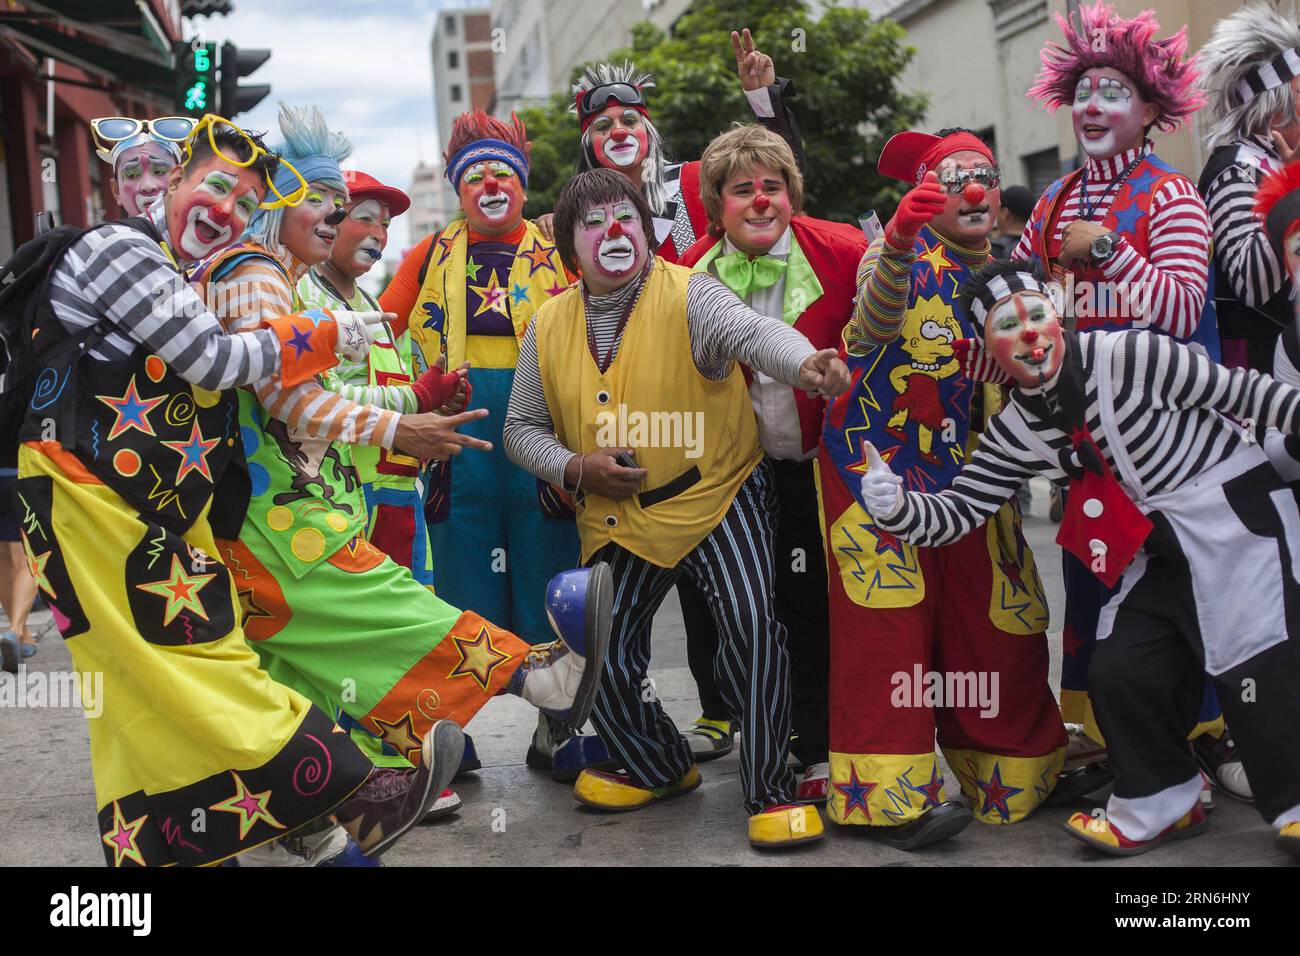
column 398, row 734
column 122, row 839
column 180, row 591
column 478, row 658
column 251, row 807
column 936, row 259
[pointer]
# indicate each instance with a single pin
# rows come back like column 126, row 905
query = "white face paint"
column 1107, row 114
column 369, row 213
column 618, row 254
column 495, row 206
column 203, row 231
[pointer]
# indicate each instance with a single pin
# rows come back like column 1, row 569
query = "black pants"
column 1148, row 676
column 732, row 569
column 801, row 604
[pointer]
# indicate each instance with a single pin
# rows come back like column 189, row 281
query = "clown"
column 789, row 266
column 618, row 133
column 467, row 295
column 1277, row 208
column 646, row 340
column 120, row 514
column 1129, row 239
column 1173, row 507
column 976, row 606
column 327, row 612
column 1252, row 73
column 142, row 154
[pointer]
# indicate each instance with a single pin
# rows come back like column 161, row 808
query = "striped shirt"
column 1241, row 245
column 1170, row 408
column 1175, row 269
column 255, row 290
column 722, row 329
column 118, row 273
column 884, row 281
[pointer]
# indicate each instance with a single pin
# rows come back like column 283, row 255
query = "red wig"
column 470, row 127
column 1277, row 203
column 1105, row 39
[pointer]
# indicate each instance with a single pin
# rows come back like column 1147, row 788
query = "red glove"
column 917, row 207
column 435, row 388
column 977, row 364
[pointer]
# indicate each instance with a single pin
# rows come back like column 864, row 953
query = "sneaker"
column 815, row 784
column 1101, row 834
column 391, row 801
column 710, row 739
column 785, row 825
column 448, row 802
column 1218, row 758
column 557, row 749
column 310, row 850
column 935, row 825
column 10, row 652
column 616, row 793
column 561, row 678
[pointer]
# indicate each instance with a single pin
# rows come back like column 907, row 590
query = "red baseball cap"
column 910, row 155
column 364, row 186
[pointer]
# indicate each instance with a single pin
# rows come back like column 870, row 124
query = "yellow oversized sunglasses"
column 210, row 123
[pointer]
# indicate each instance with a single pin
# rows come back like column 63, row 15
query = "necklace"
column 1088, row 208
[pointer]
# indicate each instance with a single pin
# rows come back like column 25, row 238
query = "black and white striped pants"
column 733, row 569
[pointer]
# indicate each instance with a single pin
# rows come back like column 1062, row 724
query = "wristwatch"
column 1102, row 248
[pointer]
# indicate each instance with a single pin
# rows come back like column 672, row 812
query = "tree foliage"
column 845, row 68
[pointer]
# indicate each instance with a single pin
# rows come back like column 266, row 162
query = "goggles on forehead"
column 211, row 122
column 954, row 180
column 597, row 98
column 108, row 131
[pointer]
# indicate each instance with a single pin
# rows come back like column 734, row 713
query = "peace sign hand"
column 755, row 68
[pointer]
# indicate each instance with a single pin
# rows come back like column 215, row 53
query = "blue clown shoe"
column 561, row 678
column 557, row 749
column 469, row 762
column 351, row 856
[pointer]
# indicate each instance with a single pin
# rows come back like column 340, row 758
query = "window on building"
column 453, row 59
column 1041, row 169
column 449, row 26
column 455, row 92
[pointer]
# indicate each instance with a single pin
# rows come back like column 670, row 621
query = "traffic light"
column 196, row 77
column 236, row 63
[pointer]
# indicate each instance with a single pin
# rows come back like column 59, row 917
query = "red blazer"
column 833, row 250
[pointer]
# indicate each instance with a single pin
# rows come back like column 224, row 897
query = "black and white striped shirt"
column 119, row 273
column 722, row 329
column 1241, row 246
column 1170, row 407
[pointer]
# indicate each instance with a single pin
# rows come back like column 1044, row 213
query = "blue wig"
column 314, row 151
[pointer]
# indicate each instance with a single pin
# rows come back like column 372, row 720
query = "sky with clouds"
column 365, row 64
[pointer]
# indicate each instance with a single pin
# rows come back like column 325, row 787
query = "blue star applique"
column 996, row 793
column 855, row 793
column 1126, row 220
column 518, row 294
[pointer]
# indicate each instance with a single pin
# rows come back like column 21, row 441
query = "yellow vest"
column 696, row 437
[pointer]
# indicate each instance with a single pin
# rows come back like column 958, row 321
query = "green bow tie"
column 743, row 275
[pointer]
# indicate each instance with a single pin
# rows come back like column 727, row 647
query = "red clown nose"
column 618, row 134
column 491, row 186
column 615, row 231
column 761, row 202
column 973, row 193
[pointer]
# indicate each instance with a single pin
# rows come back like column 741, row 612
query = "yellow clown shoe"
column 1101, row 834
column 785, row 825
column 616, row 793
column 1288, row 839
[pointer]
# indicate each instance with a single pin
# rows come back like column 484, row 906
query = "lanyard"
column 622, row 323
column 1086, row 205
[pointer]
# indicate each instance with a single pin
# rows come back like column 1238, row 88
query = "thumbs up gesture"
column 882, row 490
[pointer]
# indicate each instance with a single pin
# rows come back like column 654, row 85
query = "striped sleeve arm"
column 1174, row 275
column 1240, row 244
column 883, row 278
column 126, row 277
column 394, row 398
column 259, row 293
column 1284, row 450
column 998, row 467
column 722, row 329
column 528, row 435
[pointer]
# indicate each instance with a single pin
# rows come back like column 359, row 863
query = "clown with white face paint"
column 1128, row 239
column 1171, row 507
column 142, row 154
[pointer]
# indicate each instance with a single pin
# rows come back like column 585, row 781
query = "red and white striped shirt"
column 1176, row 266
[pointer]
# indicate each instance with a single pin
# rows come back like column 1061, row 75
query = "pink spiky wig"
column 1105, row 39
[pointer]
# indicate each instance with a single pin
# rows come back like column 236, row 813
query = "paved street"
column 516, row 816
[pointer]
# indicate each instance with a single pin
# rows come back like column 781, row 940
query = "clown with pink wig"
column 1128, row 236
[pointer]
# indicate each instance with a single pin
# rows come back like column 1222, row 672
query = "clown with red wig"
column 1128, row 237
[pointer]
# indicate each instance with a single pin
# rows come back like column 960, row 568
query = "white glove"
column 882, row 490
column 357, row 331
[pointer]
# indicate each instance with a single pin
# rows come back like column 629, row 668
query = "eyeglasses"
column 211, row 122
column 598, row 97
column 111, row 130
column 954, row 180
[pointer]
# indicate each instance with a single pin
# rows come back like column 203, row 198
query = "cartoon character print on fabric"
column 927, row 336
column 318, row 469
column 35, row 498
column 178, row 594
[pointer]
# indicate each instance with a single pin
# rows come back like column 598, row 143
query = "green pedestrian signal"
column 196, row 76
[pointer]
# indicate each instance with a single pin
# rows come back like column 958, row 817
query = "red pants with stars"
column 900, row 676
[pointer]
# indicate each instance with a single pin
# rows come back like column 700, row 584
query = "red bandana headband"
column 909, row 156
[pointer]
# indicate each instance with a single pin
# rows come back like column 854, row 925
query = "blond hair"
column 744, row 147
